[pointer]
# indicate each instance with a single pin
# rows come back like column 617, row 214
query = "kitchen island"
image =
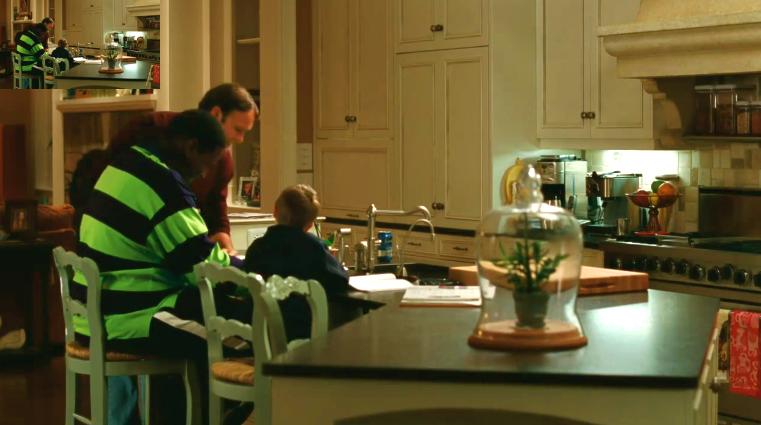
column 86, row 75
column 649, row 359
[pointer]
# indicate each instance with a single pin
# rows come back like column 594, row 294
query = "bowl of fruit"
column 663, row 194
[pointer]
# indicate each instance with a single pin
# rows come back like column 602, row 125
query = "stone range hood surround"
column 675, row 38
column 684, row 38
column 145, row 8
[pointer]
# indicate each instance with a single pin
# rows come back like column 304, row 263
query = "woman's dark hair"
column 228, row 97
column 196, row 124
column 47, row 20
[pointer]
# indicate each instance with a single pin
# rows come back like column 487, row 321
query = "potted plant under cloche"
column 529, row 261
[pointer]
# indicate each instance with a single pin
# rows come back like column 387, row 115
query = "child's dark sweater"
column 289, row 251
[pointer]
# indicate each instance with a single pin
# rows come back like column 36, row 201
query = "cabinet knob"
column 591, row 115
column 584, row 115
column 437, row 28
column 350, row 118
column 437, row 206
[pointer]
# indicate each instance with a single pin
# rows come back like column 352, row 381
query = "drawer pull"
column 459, row 248
column 437, row 28
column 414, row 244
column 353, row 215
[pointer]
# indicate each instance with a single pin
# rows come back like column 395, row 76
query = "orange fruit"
column 667, row 190
column 641, row 198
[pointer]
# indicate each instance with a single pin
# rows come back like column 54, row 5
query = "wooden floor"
column 32, row 393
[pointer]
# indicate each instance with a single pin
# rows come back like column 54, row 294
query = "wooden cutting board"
column 593, row 280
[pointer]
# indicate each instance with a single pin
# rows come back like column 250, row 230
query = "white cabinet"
column 440, row 24
column 92, row 32
column 579, row 94
column 352, row 69
column 83, row 22
column 122, row 20
column 349, row 176
column 443, row 138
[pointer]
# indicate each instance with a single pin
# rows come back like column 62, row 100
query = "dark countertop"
column 137, row 71
column 654, row 339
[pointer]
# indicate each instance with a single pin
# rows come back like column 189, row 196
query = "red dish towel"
column 745, row 353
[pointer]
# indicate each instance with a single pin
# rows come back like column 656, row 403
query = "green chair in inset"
column 241, row 379
column 20, row 80
column 98, row 363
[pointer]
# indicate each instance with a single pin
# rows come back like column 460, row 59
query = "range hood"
column 676, row 38
column 145, row 8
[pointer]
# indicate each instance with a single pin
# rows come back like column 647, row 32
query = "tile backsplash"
column 725, row 165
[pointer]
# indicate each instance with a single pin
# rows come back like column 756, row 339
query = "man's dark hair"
column 39, row 29
column 228, row 97
column 47, row 20
column 199, row 125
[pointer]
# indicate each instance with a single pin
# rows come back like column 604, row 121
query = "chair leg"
column 71, row 396
column 215, row 408
column 193, row 397
column 145, row 398
column 98, row 399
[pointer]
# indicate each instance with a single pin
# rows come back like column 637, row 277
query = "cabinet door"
column 463, row 154
column 332, row 61
column 372, row 98
column 419, row 104
column 563, row 71
column 622, row 108
column 121, row 19
column 92, row 32
column 351, row 176
column 440, row 24
column 88, row 5
column 465, row 23
column 73, row 19
column 413, row 24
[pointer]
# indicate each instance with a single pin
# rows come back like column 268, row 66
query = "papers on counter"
column 378, row 283
column 442, row 296
column 248, row 215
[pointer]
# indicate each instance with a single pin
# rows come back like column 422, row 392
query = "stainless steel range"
column 722, row 260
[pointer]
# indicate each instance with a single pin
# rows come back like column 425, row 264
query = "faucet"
column 372, row 213
column 341, row 235
column 401, row 271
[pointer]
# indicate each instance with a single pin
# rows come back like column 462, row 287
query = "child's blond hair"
column 297, row 206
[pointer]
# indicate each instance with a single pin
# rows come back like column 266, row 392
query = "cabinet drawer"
column 418, row 244
column 457, row 248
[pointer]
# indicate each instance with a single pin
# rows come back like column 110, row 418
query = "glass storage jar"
column 742, row 114
column 755, row 118
column 704, row 110
column 529, row 262
column 725, row 96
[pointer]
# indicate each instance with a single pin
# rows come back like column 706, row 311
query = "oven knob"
column 639, row 263
column 697, row 272
column 668, row 266
column 742, row 277
column 714, row 274
column 682, row 267
column 653, row 264
column 757, row 280
column 727, row 272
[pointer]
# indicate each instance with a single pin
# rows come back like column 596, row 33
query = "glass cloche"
column 529, row 261
column 111, row 62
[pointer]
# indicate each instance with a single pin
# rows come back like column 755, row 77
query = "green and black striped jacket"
column 141, row 226
column 29, row 46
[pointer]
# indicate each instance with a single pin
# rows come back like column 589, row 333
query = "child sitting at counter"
column 288, row 249
column 61, row 52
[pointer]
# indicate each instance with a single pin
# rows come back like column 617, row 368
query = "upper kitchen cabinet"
column 440, row 24
column 353, row 66
column 443, row 140
column 580, row 97
column 123, row 20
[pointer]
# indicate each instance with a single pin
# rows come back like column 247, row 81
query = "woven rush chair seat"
column 238, row 371
column 76, row 350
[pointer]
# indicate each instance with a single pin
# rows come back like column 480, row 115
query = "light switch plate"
column 303, row 157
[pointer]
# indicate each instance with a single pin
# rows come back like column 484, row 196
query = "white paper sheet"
column 378, row 283
column 442, row 295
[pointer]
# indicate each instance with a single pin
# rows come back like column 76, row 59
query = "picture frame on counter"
column 246, row 189
column 20, row 219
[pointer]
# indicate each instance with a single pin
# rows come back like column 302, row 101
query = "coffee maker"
column 563, row 182
column 606, row 197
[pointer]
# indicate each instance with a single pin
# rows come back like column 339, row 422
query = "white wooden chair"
column 20, row 80
column 242, row 380
column 98, row 363
column 52, row 67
